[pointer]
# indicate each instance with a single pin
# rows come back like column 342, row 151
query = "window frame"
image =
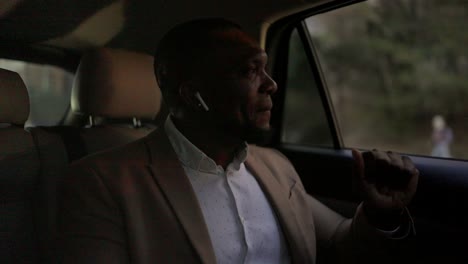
column 277, row 46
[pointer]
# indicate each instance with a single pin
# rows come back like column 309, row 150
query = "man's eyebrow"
column 256, row 55
column 259, row 59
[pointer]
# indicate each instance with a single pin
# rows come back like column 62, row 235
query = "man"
column 194, row 191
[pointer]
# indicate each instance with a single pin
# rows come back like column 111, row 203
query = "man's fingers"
column 358, row 162
column 388, row 179
column 414, row 173
column 409, row 165
column 401, row 174
column 386, row 169
column 382, row 163
column 381, row 156
column 396, row 160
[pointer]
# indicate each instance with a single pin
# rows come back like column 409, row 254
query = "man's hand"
column 388, row 182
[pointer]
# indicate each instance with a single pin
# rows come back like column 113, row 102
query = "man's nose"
column 269, row 86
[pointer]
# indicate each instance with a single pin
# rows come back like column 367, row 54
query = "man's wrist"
column 383, row 219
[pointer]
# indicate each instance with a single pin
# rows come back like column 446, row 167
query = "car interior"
column 77, row 78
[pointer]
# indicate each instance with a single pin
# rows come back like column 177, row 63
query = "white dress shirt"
column 241, row 223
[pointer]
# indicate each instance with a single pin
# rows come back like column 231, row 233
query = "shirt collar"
column 191, row 156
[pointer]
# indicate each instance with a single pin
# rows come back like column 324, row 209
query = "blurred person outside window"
column 442, row 137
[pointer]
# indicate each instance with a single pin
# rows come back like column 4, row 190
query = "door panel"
column 439, row 209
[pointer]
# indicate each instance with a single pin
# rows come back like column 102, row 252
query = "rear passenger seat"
column 19, row 167
column 116, row 90
column 115, row 100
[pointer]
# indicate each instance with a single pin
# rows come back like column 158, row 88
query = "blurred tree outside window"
column 392, row 68
column 49, row 89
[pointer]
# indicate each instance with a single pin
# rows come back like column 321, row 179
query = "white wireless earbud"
column 202, row 102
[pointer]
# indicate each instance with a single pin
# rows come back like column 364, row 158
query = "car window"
column 396, row 74
column 304, row 121
column 49, row 90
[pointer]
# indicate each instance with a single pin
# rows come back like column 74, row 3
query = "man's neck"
column 219, row 146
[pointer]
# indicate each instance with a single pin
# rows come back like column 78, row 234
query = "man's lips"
column 264, row 115
column 266, row 107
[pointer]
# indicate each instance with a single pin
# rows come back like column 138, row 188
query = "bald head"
column 186, row 49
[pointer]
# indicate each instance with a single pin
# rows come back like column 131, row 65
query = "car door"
column 381, row 74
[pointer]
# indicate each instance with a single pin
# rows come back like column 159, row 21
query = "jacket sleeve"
column 90, row 222
column 355, row 240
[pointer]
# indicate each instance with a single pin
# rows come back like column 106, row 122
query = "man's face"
column 236, row 86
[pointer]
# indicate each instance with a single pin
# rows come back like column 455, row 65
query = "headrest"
column 14, row 98
column 116, row 84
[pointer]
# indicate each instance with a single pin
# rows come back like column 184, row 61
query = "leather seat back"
column 19, row 169
column 116, row 90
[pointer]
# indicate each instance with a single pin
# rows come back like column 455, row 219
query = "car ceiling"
column 134, row 25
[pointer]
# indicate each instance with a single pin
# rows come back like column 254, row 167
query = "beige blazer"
column 134, row 204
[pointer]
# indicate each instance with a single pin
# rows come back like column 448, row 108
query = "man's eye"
column 249, row 71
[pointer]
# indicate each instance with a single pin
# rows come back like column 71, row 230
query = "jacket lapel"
column 171, row 177
column 278, row 197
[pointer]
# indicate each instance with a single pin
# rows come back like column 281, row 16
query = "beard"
column 249, row 133
column 246, row 131
column 253, row 134
column 257, row 136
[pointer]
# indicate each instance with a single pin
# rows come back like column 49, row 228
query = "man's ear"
column 187, row 89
